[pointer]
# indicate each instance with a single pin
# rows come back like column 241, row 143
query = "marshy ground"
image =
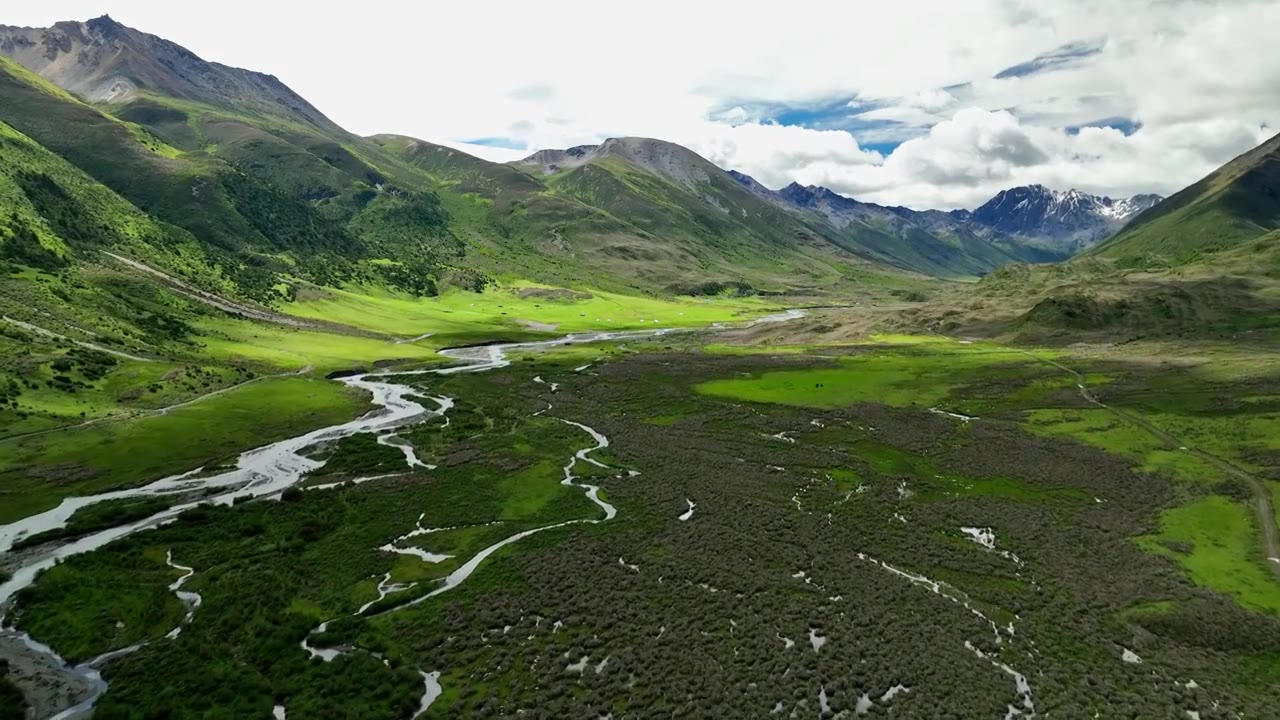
column 912, row 526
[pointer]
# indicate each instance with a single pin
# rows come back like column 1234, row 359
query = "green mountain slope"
column 254, row 229
column 250, row 167
column 917, row 249
column 70, row 315
column 650, row 169
column 284, row 198
column 683, row 228
column 1238, row 202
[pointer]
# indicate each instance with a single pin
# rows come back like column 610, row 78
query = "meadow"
column 37, row 472
column 516, row 306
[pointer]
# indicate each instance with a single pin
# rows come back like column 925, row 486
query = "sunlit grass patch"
column 292, row 349
column 527, row 492
column 845, row 479
column 1238, row 437
column 1108, row 431
column 517, row 306
column 1099, row 427
column 945, row 486
column 1214, row 540
column 731, row 349
column 902, row 379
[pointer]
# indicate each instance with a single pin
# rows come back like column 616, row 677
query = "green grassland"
column 919, row 371
column 37, row 472
column 283, row 348
column 1104, row 429
column 323, row 541
column 145, row 611
column 1215, row 540
column 457, row 312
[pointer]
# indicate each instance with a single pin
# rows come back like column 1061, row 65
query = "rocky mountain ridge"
column 104, row 61
column 1063, row 217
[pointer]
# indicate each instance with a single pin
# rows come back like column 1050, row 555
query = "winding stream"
column 269, row 470
column 190, row 599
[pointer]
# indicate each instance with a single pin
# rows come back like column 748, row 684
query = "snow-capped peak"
column 1068, row 215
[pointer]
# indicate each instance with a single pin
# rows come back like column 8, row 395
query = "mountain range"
column 1202, row 263
column 1070, row 219
column 1024, row 220
column 254, row 191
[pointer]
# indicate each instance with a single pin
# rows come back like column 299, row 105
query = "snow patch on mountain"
column 1062, row 217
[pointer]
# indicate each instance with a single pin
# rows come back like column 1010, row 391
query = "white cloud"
column 963, row 161
column 770, row 150
column 1200, row 77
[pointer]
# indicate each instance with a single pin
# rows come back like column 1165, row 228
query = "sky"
column 928, row 104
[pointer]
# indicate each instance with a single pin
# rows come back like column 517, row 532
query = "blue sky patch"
column 824, row 115
column 881, row 136
column 874, row 135
column 1128, row 126
column 884, row 148
column 827, row 116
column 499, row 142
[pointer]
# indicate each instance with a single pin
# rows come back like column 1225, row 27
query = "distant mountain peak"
column 103, row 26
column 660, row 157
column 104, row 22
column 1059, row 221
column 813, row 195
column 1071, row 217
column 102, row 60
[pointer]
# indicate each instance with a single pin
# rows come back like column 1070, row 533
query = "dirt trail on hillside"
column 1262, row 497
column 238, row 308
column 31, row 327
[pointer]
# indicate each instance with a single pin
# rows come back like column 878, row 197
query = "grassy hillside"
column 1238, row 202
column 283, row 197
column 921, row 251
column 250, row 223
column 1205, row 263
column 86, row 336
column 614, row 220
column 1221, row 297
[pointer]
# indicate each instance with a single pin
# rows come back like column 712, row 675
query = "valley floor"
column 673, row 524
